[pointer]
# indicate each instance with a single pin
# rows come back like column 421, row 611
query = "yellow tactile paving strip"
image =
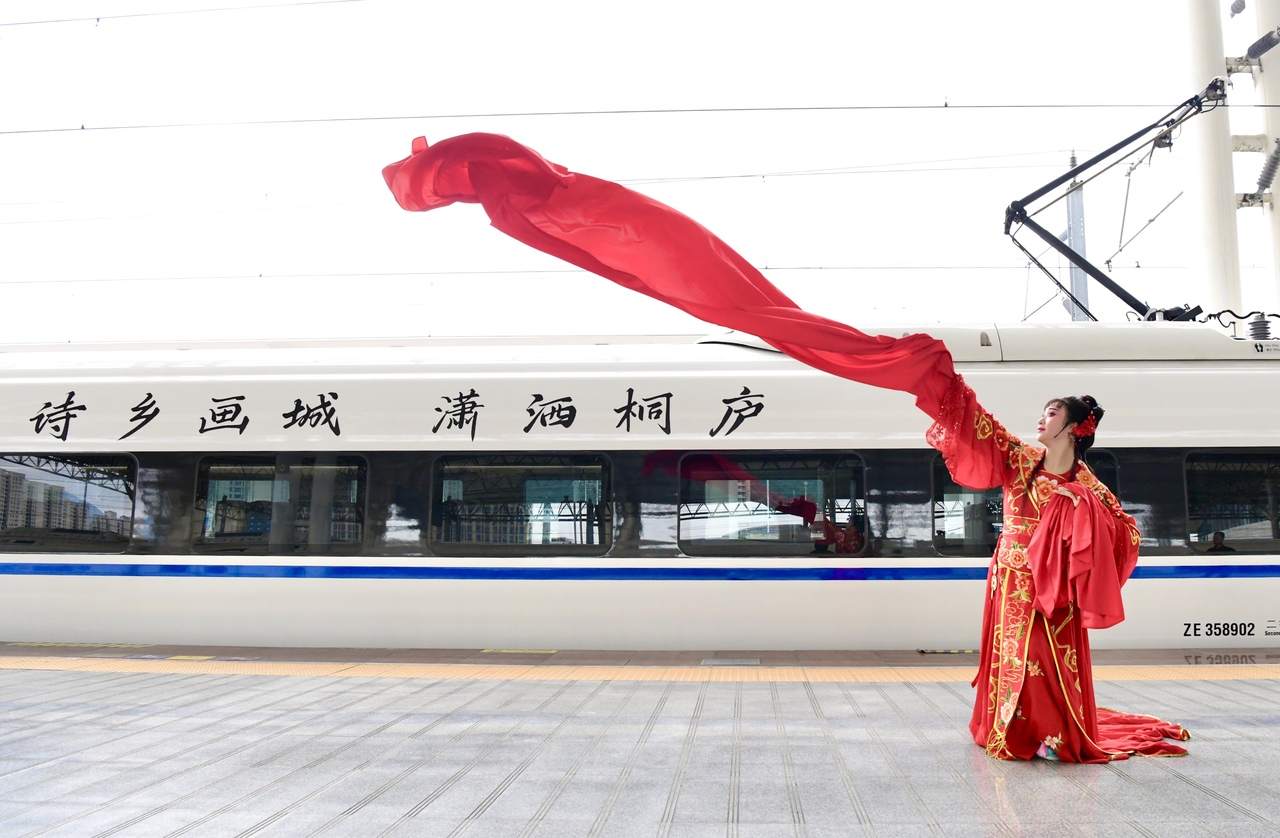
column 498, row 672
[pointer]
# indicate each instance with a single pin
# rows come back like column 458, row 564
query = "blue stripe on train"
column 674, row 574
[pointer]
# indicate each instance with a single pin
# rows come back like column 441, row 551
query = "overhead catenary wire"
column 916, row 166
column 496, row 273
column 1150, row 221
column 86, row 127
column 1052, row 278
column 173, row 12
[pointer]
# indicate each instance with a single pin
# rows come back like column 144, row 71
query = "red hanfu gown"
column 1056, row 573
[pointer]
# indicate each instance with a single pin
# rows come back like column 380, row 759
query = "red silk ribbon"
column 649, row 247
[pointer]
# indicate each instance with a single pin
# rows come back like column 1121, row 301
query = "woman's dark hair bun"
column 1095, row 409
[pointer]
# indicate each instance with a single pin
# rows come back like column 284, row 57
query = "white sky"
column 227, row 182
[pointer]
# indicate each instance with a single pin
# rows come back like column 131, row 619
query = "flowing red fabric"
column 1073, row 559
column 651, row 248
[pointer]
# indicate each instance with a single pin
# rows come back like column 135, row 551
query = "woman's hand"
column 1063, row 490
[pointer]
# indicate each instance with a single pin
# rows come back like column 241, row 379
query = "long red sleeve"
column 1073, row 559
column 651, row 248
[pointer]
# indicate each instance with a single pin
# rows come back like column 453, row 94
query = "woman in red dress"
column 1065, row 549
column 1066, row 545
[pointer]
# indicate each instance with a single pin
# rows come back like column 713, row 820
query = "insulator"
column 1269, row 168
column 1237, row 7
column 1263, row 44
column 1260, row 328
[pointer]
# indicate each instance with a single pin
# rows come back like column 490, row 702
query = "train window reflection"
column 77, row 503
column 521, row 504
column 800, row 503
column 966, row 522
column 281, row 503
column 1233, row 502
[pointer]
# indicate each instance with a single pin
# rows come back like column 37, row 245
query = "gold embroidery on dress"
column 982, row 425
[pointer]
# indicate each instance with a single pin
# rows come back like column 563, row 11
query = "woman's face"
column 1052, row 424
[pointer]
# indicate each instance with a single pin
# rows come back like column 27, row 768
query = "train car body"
column 706, row 494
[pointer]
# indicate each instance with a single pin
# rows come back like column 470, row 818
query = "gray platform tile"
column 501, row 761
column 950, row 799
column 584, row 799
column 867, row 759
column 759, row 803
column 889, row 800
column 915, row 762
column 562, row 753
column 353, row 791
column 391, row 807
column 200, row 822
column 853, row 732
column 186, row 820
column 607, row 759
column 946, row 829
column 715, row 761
column 692, row 829
column 624, row 829
column 822, row 830
column 44, row 817
column 702, row 799
column 524, row 798
column 642, row 799
column 826, row 803
column 1191, row 829
column 1123, row 830
column 376, row 822
column 548, row 827
column 755, row 747
column 289, row 822
column 812, row 751
column 655, row 760
column 1180, row 801
column 1261, row 801
column 780, row 830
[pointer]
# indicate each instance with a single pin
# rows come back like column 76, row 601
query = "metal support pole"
column 1216, row 256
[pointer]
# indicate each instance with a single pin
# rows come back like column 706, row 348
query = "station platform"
column 125, row 740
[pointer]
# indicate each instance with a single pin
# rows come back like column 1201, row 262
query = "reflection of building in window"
column 110, row 522
column 286, row 501
column 13, row 499
column 67, row 495
column 39, row 505
column 49, row 507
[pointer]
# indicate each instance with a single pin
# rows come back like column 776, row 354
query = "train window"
column 521, row 504
column 799, row 503
column 1237, row 495
column 967, row 522
column 282, row 503
column 77, row 503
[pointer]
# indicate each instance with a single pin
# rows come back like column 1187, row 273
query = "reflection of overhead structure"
column 115, row 480
column 1228, row 492
column 505, row 477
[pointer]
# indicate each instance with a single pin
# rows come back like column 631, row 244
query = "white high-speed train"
column 705, row 494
